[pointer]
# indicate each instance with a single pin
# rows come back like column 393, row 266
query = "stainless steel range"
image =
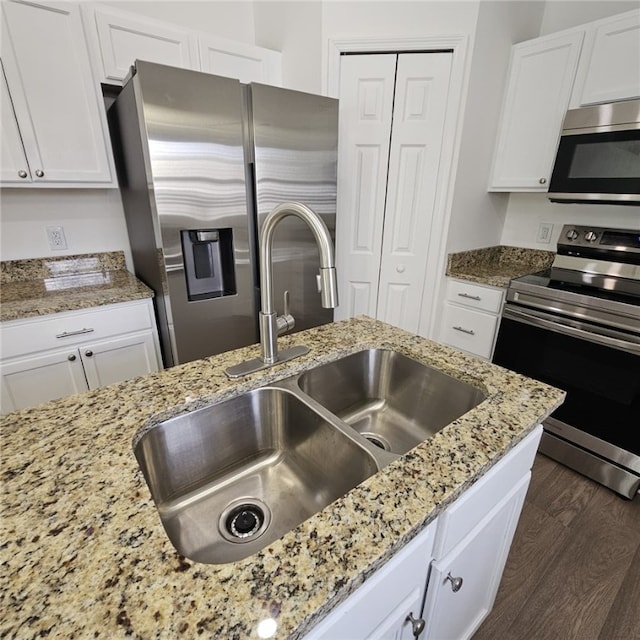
column 576, row 326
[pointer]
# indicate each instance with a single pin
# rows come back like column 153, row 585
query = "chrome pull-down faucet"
column 272, row 325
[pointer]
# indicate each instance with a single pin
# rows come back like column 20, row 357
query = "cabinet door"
column 57, row 104
column 477, row 562
column 119, row 359
column 125, row 38
column 366, row 107
column 30, row 381
column 422, row 87
column 539, row 86
column 379, row 609
column 611, row 61
column 238, row 60
column 13, row 162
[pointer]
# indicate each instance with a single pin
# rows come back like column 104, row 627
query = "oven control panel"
column 625, row 240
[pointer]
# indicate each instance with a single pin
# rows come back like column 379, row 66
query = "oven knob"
column 572, row 234
column 591, row 236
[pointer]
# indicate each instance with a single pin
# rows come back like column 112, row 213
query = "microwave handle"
column 582, row 331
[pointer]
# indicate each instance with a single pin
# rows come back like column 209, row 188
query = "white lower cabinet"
column 464, row 583
column 62, row 354
column 381, row 607
column 442, row 585
column 470, row 317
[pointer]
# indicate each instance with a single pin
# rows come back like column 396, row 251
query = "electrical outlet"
column 544, row 232
column 57, row 240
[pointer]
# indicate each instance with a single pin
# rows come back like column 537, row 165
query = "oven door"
column 598, row 367
column 597, row 168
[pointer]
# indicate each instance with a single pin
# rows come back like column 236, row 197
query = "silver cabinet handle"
column 542, row 181
column 39, row 173
column 456, row 583
column 470, row 332
column 22, row 173
column 88, row 353
column 467, row 295
column 67, row 334
column 71, row 358
column 417, row 624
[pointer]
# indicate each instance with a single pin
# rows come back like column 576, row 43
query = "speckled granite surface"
column 37, row 287
column 497, row 266
column 84, row 553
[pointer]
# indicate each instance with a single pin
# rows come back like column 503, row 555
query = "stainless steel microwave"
column 598, row 159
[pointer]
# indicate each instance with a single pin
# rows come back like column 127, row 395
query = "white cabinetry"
column 120, row 37
column 380, row 609
column 464, row 583
column 472, row 541
column 610, row 62
column 52, row 110
column 52, row 356
column 123, row 37
column 470, row 317
column 539, row 85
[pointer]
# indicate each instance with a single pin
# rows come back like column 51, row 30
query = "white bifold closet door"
column 392, row 114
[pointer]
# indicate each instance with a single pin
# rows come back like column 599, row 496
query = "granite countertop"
column 497, row 266
column 84, row 553
column 40, row 286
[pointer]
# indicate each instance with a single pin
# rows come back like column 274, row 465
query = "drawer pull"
column 467, row 295
column 67, row 334
column 470, row 332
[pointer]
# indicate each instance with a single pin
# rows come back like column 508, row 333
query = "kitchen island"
column 84, row 553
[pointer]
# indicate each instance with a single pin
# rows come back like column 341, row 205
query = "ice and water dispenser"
column 209, row 264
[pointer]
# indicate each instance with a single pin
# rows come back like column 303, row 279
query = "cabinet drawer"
column 61, row 330
column 475, row 296
column 466, row 512
column 469, row 330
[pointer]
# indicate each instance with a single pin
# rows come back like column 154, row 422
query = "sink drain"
column 377, row 440
column 244, row 520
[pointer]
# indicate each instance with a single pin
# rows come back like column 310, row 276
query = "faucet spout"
column 328, row 286
column 272, row 325
column 269, row 329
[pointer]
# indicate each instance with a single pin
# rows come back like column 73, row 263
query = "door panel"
column 422, row 86
column 366, row 104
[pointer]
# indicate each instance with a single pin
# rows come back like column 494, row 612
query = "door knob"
column 456, row 583
column 22, row 173
column 71, row 358
column 417, row 624
column 88, row 353
column 39, row 173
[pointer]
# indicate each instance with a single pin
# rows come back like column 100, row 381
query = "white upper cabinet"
column 58, row 110
column 537, row 95
column 610, row 63
column 124, row 37
column 245, row 62
column 121, row 37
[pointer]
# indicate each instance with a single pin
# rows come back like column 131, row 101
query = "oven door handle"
column 544, row 321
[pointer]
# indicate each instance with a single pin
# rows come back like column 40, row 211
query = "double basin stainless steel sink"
column 232, row 477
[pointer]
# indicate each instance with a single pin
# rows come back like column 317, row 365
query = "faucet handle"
column 287, row 308
column 286, row 321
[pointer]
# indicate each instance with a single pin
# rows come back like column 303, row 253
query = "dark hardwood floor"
column 573, row 572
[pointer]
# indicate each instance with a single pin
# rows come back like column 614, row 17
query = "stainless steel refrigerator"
column 201, row 161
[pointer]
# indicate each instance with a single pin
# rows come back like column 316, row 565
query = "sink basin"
column 392, row 400
column 232, row 477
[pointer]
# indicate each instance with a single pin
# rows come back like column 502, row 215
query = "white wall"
column 477, row 217
column 526, row 211
column 294, row 28
column 93, row 221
